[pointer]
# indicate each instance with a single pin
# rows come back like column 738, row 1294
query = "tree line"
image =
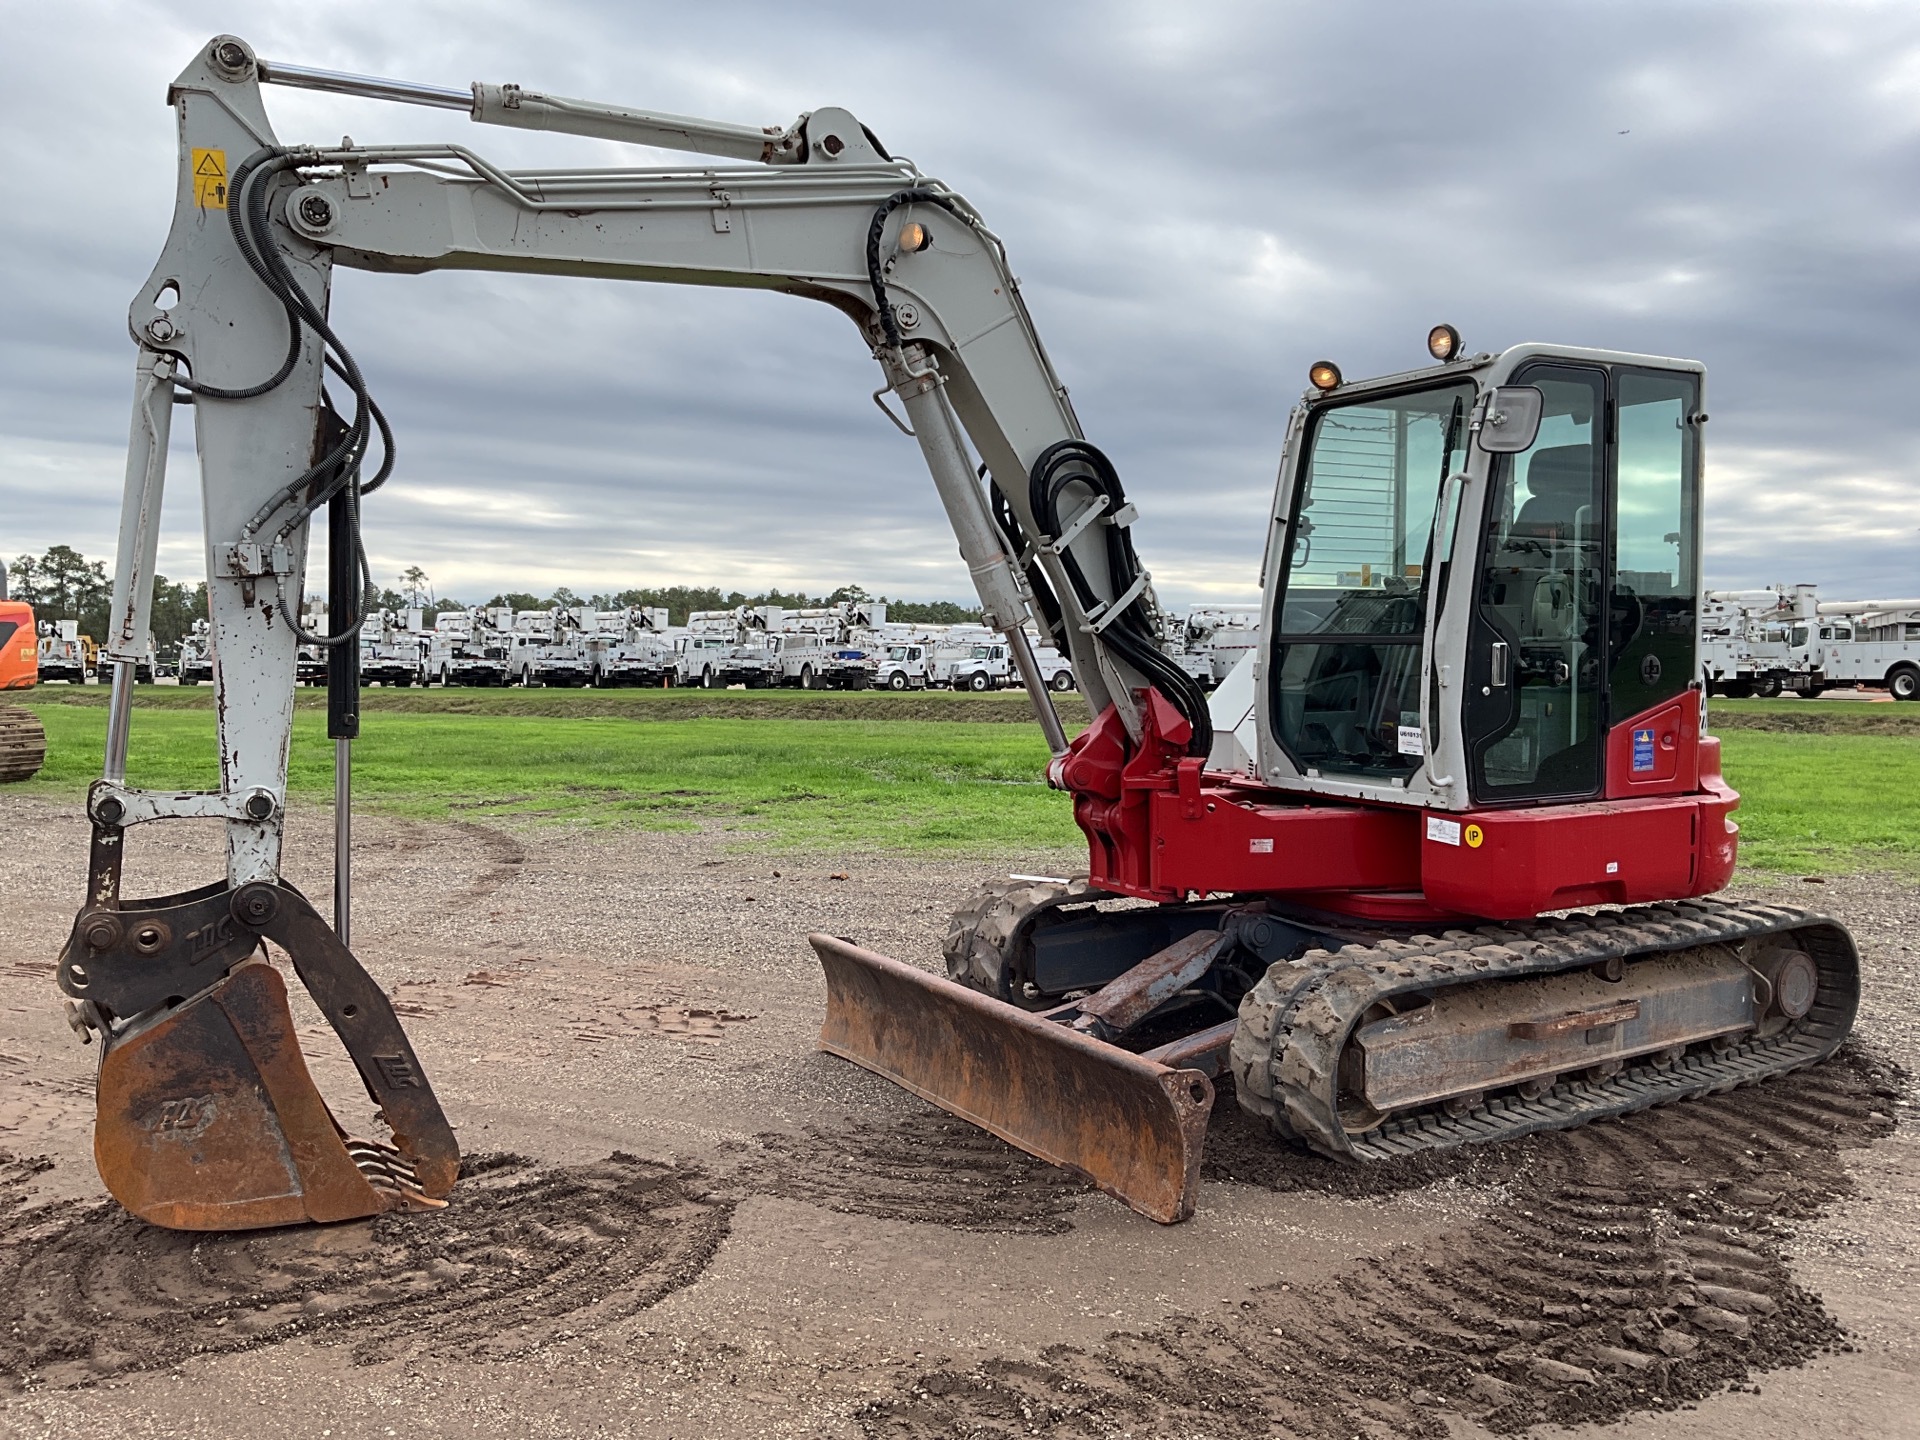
column 64, row 585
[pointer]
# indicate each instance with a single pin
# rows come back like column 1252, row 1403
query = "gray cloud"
column 1200, row 200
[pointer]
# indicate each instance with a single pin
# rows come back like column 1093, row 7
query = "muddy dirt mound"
column 927, row 1166
column 523, row 1256
column 1628, row 1266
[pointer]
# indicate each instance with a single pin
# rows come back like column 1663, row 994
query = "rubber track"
column 984, row 938
column 1297, row 1020
column 23, row 743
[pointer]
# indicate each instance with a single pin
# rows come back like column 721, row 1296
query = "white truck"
column 552, row 647
column 473, row 646
column 62, row 655
column 631, row 648
column 729, row 647
column 1221, row 634
column 393, row 651
column 972, row 664
column 818, row 649
column 196, row 656
column 1872, row 643
column 1788, row 640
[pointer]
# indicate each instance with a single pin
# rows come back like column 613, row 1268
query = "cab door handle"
column 1497, row 664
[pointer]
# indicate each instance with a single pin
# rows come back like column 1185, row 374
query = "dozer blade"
column 1133, row 1127
column 208, row 1120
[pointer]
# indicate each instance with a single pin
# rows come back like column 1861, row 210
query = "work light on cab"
column 1443, row 343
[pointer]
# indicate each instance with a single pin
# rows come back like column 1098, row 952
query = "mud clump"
column 927, row 1167
column 1627, row 1266
column 524, row 1255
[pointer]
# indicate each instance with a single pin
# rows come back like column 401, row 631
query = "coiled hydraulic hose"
column 1071, row 462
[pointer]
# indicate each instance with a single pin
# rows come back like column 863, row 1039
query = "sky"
column 1200, row 200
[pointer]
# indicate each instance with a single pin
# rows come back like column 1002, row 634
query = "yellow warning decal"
column 1475, row 836
column 210, row 179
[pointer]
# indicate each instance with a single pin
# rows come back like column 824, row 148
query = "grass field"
column 925, row 786
column 793, row 770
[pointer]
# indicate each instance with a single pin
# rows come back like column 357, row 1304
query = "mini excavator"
column 1430, row 869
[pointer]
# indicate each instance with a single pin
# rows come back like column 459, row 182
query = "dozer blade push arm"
column 199, row 1050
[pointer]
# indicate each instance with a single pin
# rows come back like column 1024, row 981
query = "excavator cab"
column 1511, row 611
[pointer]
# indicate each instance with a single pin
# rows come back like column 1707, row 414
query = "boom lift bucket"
column 1128, row 1123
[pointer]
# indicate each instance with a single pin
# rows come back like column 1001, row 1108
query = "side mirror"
column 1511, row 420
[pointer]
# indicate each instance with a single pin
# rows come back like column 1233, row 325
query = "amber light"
column 1325, row 375
column 914, row 237
column 1443, row 342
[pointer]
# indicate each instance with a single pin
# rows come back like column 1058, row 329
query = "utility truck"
column 632, row 647
column 63, row 652
column 393, row 651
column 473, row 646
column 1786, row 640
column 196, row 656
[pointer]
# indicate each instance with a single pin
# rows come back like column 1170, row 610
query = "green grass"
column 923, row 787
column 1811, row 802
column 999, row 706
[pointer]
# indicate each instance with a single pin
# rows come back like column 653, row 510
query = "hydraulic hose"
column 339, row 469
column 914, row 195
column 1130, row 633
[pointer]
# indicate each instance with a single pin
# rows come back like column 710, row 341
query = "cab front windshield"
column 1347, row 643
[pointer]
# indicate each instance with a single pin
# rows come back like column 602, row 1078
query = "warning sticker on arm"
column 210, row 179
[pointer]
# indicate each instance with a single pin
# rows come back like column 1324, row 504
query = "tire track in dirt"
column 525, row 1255
column 1627, row 1266
column 927, row 1167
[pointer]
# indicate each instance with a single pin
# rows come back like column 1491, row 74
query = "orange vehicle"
column 23, row 744
column 19, row 646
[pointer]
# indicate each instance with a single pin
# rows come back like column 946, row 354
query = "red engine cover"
column 1159, row 829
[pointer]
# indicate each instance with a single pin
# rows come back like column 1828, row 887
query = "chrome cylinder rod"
column 119, row 722
column 1024, row 660
column 301, row 77
column 343, row 840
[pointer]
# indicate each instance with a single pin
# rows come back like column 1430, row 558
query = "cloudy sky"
column 1200, row 199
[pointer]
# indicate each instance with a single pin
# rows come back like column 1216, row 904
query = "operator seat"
column 1559, row 482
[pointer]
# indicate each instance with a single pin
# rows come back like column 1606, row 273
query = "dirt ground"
column 679, row 1219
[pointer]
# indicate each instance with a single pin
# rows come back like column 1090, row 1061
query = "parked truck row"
column 846, row 646
column 1787, row 640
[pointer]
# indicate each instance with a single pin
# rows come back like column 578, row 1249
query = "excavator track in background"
column 23, row 743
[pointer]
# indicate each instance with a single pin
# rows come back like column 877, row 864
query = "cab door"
column 1583, row 647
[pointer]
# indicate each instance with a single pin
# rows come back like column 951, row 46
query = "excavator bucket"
column 1133, row 1127
column 208, row 1120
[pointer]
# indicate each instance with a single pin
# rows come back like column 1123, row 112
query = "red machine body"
column 1161, row 827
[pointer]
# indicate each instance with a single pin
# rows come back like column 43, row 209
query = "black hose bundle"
column 346, row 442
column 1130, row 633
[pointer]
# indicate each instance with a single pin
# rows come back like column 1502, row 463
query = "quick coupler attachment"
column 207, row 1118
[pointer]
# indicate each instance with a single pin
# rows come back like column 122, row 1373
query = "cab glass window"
column 1655, row 541
column 1347, row 657
column 1535, row 675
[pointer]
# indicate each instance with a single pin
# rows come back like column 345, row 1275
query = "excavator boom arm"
column 207, row 1118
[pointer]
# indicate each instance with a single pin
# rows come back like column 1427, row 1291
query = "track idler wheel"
column 208, row 1120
